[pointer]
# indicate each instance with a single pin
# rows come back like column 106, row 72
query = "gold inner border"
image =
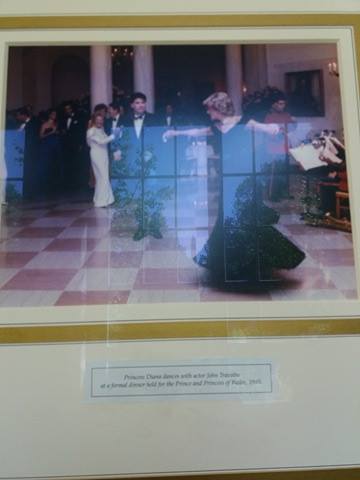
column 177, row 330
column 187, row 329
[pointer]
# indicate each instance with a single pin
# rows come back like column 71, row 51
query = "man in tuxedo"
column 139, row 117
column 75, row 168
column 115, row 119
column 169, row 118
column 139, row 149
column 29, row 126
column 135, row 125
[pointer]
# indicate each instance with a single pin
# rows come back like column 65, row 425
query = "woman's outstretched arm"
column 91, row 137
column 189, row 132
column 270, row 128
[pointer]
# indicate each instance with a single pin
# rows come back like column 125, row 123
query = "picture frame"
column 37, row 27
column 102, row 323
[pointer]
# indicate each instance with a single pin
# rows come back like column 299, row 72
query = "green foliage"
column 310, row 200
column 19, row 155
column 138, row 207
column 12, row 195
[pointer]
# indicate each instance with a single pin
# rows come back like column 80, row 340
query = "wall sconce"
column 244, row 89
column 333, row 69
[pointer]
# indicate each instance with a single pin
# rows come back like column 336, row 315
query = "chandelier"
column 121, row 53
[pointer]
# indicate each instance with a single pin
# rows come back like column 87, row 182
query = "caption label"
column 180, row 380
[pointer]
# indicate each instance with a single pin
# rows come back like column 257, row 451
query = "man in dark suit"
column 115, row 119
column 29, row 126
column 139, row 117
column 139, row 150
column 169, row 117
column 75, row 168
column 137, row 133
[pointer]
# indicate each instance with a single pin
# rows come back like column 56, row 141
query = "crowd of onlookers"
column 56, row 154
column 58, row 149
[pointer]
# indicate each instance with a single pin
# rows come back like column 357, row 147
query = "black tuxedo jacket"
column 32, row 132
column 150, row 120
column 75, row 135
column 108, row 124
column 31, row 151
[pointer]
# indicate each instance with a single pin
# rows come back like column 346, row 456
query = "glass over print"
column 191, row 190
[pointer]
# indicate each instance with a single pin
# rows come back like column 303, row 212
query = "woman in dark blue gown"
column 243, row 245
column 49, row 154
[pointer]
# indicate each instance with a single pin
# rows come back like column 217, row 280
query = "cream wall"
column 43, row 7
column 47, row 428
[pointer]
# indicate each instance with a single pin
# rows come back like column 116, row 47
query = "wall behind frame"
column 315, row 421
column 88, row 7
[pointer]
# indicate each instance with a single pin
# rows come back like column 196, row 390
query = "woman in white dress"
column 98, row 141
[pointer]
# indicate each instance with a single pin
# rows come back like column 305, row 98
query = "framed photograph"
column 306, row 93
column 176, row 179
column 226, row 197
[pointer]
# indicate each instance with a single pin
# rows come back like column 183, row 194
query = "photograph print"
column 171, row 177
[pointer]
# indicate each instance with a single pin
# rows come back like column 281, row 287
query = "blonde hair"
column 221, row 102
column 92, row 119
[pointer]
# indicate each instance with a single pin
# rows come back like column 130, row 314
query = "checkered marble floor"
column 67, row 254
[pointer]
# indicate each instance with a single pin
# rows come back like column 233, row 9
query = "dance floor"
column 66, row 253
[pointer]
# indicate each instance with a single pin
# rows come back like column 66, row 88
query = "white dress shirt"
column 138, row 123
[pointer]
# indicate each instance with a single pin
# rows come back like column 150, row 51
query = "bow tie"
column 139, row 117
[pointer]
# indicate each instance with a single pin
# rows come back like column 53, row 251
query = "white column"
column 100, row 74
column 234, row 74
column 144, row 73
